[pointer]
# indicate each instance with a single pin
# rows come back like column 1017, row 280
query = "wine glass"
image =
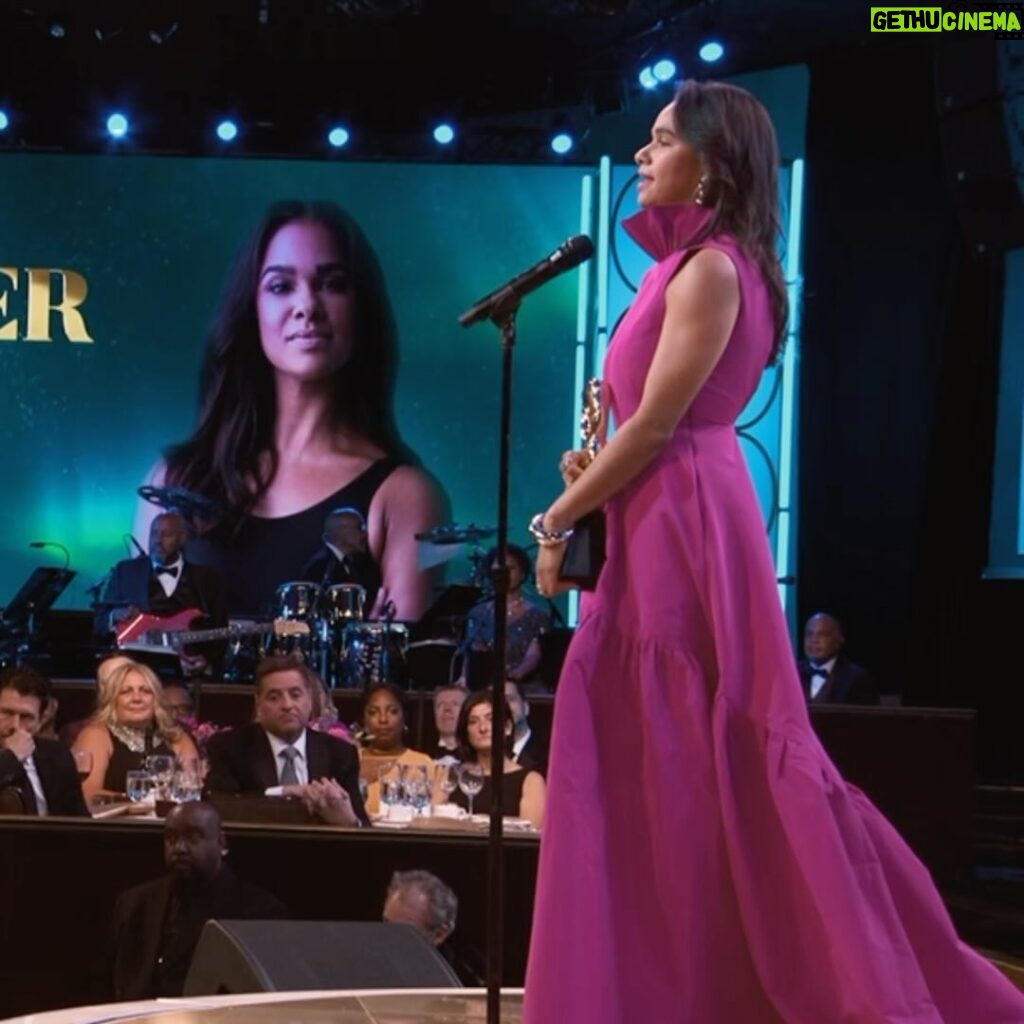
column 161, row 769
column 448, row 779
column 83, row 763
column 416, row 787
column 471, row 781
column 137, row 786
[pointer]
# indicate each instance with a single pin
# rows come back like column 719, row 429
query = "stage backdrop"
column 93, row 393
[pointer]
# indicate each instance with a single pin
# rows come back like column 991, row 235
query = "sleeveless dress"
column 265, row 553
column 512, row 783
column 124, row 760
column 721, row 871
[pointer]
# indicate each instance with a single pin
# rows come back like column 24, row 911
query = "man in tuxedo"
column 527, row 747
column 156, row 926
column 164, row 584
column 277, row 755
column 41, row 770
column 827, row 675
column 448, row 701
column 345, row 556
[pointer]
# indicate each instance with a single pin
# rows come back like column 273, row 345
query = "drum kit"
column 348, row 650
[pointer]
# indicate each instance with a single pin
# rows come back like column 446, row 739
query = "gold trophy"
column 584, row 553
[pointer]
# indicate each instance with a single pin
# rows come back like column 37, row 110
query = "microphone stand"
column 502, row 314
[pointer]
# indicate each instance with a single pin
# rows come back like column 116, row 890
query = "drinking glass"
column 137, row 786
column 83, row 763
column 471, row 781
column 389, row 777
column 187, row 780
column 416, row 787
column 448, row 779
column 161, row 769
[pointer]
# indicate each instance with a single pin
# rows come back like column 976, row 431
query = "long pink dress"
column 702, row 860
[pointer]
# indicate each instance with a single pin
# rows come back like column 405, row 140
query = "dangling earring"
column 698, row 196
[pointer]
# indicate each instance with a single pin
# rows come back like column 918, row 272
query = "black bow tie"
column 171, row 570
column 818, row 670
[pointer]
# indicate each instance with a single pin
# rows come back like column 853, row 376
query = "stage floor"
column 435, row 1006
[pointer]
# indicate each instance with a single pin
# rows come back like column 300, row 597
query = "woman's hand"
column 572, row 464
column 549, row 563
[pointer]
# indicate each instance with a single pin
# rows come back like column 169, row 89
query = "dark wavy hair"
column 465, row 750
column 734, row 136
column 234, row 437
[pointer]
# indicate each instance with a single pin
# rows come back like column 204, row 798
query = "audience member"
column 129, row 725
column 345, row 557
column 422, row 900
column 68, row 732
column 277, row 754
column 447, row 704
column 156, row 926
column 827, row 675
column 41, row 770
column 528, row 749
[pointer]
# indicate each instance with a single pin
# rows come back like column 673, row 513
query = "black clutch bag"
column 584, row 552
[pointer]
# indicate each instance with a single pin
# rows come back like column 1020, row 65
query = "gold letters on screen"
column 49, row 291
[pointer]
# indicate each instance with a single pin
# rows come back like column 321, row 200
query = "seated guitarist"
column 164, row 584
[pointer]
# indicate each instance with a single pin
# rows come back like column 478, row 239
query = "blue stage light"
column 561, row 143
column 444, row 133
column 338, row 136
column 711, row 51
column 227, row 131
column 4, row 120
column 117, row 126
column 647, row 79
column 664, row 70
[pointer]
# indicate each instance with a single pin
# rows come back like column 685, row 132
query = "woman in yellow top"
column 383, row 720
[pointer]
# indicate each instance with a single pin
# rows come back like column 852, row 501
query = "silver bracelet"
column 547, row 538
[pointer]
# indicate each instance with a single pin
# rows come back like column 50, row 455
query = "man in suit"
column 42, row 771
column 827, row 675
column 527, row 747
column 345, row 556
column 156, row 926
column 277, row 755
column 164, row 584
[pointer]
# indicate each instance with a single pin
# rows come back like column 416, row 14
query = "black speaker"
column 293, row 956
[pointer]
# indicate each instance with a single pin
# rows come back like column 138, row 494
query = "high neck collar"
column 663, row 230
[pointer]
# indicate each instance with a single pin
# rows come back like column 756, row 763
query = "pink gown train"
column 702, row 860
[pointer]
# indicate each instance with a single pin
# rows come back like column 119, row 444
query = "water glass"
column 471, row 781
column 138, row 786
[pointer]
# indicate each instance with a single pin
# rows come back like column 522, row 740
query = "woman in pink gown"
column 702, row 860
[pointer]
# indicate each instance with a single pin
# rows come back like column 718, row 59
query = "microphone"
column 52, row 544
column 569, row 254
column 138, row 547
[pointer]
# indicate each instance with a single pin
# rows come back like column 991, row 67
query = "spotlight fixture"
column 711, row 51
column 338, row 136
column 646, row 78
column 117, row 126
column 227, row 131
column 4, row 120
column 664, row 70
column 158, row 38
column 57, row 30
column 444, row 134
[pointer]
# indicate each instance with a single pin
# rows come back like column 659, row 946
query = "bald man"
column 827, row 675
column 157, row 925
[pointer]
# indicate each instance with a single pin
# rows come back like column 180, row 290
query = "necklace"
column 133, row 739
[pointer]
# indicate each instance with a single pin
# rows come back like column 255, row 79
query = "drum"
column 343, row 602
column 374, row 652
column 297, row 600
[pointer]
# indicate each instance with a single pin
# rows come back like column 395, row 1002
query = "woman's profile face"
column 669, row 168
column 304, row 303
column 136, row 701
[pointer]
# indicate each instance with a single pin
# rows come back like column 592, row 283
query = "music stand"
column 36, row 595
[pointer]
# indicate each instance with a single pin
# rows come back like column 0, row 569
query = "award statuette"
column 584, row 551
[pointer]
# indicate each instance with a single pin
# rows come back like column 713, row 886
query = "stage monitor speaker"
column 294, row 956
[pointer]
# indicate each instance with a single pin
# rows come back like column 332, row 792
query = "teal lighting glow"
column 787, row 421
column 646, row 78
column 4, row 120
column 338, row 136
column 561, row 143
column 711, row 51
column 444, row 134
column 227, row 131
column 117, row 126
column 664, row 70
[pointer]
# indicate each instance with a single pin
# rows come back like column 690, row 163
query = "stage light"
column 444, row 133
column 117, row 126
column 664, row 70
column 4, row 120
column 57, row 30
column 227, row 131
column 711, row 51
column 647, row 79
column 561, row 143
column 338, row 136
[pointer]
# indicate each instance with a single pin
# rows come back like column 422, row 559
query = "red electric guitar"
column 144, row 632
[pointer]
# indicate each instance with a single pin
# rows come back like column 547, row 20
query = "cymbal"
column 452, row 534
column 179, row 499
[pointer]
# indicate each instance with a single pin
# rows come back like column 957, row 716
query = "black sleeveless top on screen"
column 266, row 553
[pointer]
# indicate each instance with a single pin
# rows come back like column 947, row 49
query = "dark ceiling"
column 287, row 68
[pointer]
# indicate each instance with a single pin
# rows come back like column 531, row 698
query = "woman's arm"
column 702, row 303
column 530, row 661
column 407, row 503
column 185, row 746
column 531, row 803
column 96, row 740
